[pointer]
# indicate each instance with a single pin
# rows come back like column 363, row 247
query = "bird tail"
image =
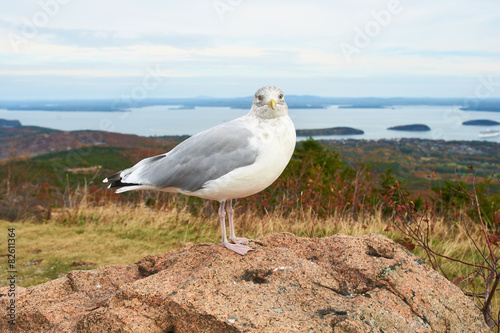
column 133, row 174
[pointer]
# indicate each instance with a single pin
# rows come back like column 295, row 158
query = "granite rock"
column 288, row 284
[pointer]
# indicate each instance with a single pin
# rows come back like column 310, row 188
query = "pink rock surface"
column 288, row 284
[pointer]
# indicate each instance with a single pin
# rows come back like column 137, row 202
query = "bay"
column 445, row 121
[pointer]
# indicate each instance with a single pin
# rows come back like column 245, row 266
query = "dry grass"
column 100, row 235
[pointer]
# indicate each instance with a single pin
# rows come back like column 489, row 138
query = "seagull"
column 233, row 160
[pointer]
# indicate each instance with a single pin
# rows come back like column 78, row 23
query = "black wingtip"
column 118, row 183
column 113, row 178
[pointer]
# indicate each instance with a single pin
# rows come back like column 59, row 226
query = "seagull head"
column 269, row 102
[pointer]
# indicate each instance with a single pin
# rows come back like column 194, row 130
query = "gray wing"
column 205, row 156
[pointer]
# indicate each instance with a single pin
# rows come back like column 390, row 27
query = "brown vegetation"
column 319, row 194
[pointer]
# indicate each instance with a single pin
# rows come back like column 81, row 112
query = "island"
column 411, row 128
column 330, row 131
column 481, row 122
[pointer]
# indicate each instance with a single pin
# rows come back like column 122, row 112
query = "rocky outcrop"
column 288, row 284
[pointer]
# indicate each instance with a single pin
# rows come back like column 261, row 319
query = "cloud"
column 253, row 39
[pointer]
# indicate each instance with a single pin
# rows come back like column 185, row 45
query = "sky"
column 60, row 49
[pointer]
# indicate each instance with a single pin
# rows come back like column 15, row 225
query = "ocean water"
column 445, row 121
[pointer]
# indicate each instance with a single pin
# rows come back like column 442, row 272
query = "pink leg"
column 238, row 248
column 232, row 236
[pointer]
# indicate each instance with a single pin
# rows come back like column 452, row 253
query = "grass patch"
column 45, row 251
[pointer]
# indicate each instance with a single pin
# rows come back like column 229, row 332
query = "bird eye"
column 281, row 96
column 260, row 97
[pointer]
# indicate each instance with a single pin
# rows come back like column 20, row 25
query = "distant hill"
column 29, row 141
column 43, row 167
column 412, row 160
column 293, row 101
column 4, row 123
column 362, row 106
column 492, row 105
column 14, row 131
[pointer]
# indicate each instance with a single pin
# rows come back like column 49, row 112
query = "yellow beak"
column 272, row 104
